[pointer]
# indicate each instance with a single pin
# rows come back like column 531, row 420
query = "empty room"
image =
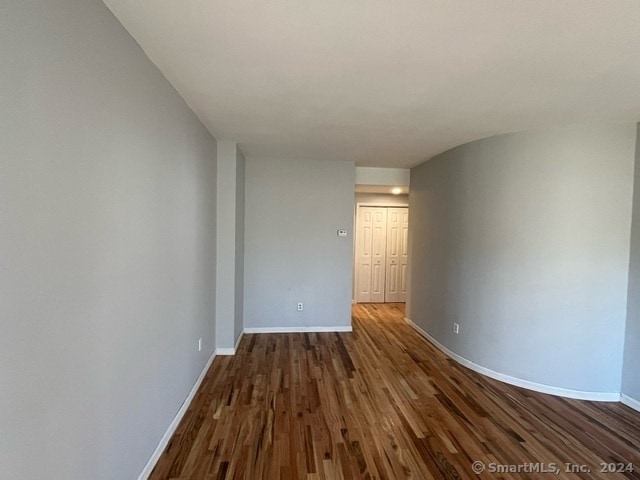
column 319, row 240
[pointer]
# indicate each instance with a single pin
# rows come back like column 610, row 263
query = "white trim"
column 148, row 468
column 235, row 348
column 518, row 382
column 630, row 402
column 297, row 329
column 225, row 351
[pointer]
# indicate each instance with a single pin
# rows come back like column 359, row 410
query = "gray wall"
column 631, row 369
column 107, row 234
column 382, row 176
column 229, row 246
column 382, row 198
column 239, row 246
column 292, row 252
column 523, row 239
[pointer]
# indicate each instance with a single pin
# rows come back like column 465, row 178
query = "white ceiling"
column 390, row 83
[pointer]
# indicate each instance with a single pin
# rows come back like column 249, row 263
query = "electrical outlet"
column 199, row 344
column 456, row 328
column 300, row 306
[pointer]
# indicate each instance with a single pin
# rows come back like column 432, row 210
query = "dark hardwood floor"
column 383, row 403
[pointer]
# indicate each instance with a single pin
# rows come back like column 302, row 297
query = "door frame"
column 355, row 233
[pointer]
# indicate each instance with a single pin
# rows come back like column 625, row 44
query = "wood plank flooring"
column 383, row 403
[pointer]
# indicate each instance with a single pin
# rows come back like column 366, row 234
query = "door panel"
column 378, row 254
column 364, row 272
column 403, row 277
column 397, row 228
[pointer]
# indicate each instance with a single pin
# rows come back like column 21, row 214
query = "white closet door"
column 381, row 254
column 370, row 254
column 364, row 235
column 397, row 247
column 378, row 254
column 392, row 283
column 403, row 273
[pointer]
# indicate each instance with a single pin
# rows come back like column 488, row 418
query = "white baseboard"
column 238, row 340
column 297, row 329
column 148, row 468
column 630, row 402
column 225, row 351
column 518, row 382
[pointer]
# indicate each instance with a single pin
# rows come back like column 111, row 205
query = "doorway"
column 381, row 254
